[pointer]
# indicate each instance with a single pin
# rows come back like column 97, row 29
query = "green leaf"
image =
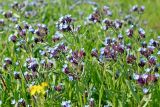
column 132, row 91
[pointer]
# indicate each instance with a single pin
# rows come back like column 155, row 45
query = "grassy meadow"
column 79, row 53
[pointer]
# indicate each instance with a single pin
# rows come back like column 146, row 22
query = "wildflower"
column 71, row 78
column 0, row 102
column 107, row 11
column 120, row 36
column 58, row 87
column 13, row 101
column 147, row 70
column 117, row 24
column 42, row 30
column 141, row 80
column 27, row 75
column 8, row 61
column 152, row 78
column 12, row 38
column 95, row 16
column 135, row 76
column 141, row 33
column 158, row 53
column 134, row 8
column 44, row 84
column 91, row 102
column 129, row 32
column 66, row 103
column 21, row 102
column 17, row 75
column 107, row 24
column 142, row 8
column 5, row 66
column 65, row 69
column 8, row 14
column 22, row 33
column 32, row 64
column 14, row 19
column 1, row 22
column 94, row 53
column 156, row 75
column 31, row 29
column 18, row 27
column 145, row 90
column 154, row 43
column 144, row 44
column 57, row 36
column 142, row 62
column 39, row 89
column 28, row 14
column 26, row 26
column 152, row 60
column 131, row 58
column 65, row 23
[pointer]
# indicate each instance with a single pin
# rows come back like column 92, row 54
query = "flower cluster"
column 65, row 23
column 112, row 49
column 112, row 24
column 38, row 89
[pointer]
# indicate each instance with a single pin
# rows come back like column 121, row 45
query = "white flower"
column 157, row 75
column 13, row 102
column 144, row 76
column 148, row 70
column 136, row 76
column 145, row 90
column 66, row 103
column 0, row 102
column 70, row 78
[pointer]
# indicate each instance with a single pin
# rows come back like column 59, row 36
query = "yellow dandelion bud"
column 44, row 84
column 33, row 90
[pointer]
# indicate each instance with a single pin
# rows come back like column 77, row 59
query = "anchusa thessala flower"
column 48, row 64
column 107, row 11
column 76, row 56
column 42, row 30
column 65, row 23
column 30, row 13
column 95, row 16
column 66, row 103
column 139, row 9
column 94, row 53
column 18, row 6
column 57, row 36
column 141, row 33
column 142, row 62
column 54, row 52
column 17, row 75
column 13, row 38
column 2, row 22
column 131, row 58
column 7, row 62
column 58, row 87
column 91, row 102
column 129, row 32
column 32, row 64
column 21, row 102
column 145, row 79
column 8, row 14
column 112, row 49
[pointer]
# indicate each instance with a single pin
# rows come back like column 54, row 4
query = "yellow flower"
column 44, row 84
column 39, row 89
column 33, row 90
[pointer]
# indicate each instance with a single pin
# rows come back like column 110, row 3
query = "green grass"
column 97, row 79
